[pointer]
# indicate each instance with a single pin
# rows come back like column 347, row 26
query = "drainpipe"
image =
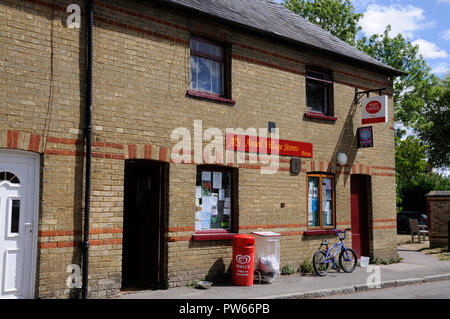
column 88, row 138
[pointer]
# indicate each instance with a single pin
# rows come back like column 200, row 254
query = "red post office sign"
column 262, row 145
column 375, row 109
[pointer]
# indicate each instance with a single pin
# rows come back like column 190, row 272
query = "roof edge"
column 387, row 69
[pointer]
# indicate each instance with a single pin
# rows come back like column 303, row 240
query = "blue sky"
column 425, row 22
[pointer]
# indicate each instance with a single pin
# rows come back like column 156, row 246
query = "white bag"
column 364, row 261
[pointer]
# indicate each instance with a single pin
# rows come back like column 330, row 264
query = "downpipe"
column 88, row 142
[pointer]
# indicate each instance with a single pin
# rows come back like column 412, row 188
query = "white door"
column 18, row 217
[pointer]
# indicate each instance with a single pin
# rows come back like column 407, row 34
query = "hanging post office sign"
column 375, row 109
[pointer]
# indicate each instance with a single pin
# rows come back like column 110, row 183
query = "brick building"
column 163, row 69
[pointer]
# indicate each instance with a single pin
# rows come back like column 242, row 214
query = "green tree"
column 435, row 132
column 412, row 92
column 336, row 16
column 419, row 101
column 410, row 158
column 410, row 162
column 413, row 193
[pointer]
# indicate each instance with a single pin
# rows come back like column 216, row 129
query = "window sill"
column 213, row 235
column 209, row 96
column 321, row 116
column 319, row 232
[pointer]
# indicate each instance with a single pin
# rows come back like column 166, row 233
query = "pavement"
column 415, row 268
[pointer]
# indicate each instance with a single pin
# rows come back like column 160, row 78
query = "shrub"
column 287, row 270
column 307, row 266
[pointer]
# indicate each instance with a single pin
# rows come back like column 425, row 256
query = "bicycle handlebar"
column 337, row 231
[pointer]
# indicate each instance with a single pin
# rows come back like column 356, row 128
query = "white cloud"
column 429, row 50
column 441, row 68
column 443, row 1
column 446, row 34
column 403, row 19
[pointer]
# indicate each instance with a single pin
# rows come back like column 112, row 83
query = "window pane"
column 206, row 48
column 194, row 73
column 7, row 176
column 313, row 201
column 213, row 200
column 317, row 75
column 327, row 201
column 316, row 97
column 216, row 77
column 206, row 75
column 15, row 216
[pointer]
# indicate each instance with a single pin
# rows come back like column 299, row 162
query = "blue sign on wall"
column 365, row 137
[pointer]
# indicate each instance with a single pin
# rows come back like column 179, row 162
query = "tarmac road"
column 431, row 290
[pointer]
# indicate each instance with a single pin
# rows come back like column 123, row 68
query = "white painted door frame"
column 30, row 256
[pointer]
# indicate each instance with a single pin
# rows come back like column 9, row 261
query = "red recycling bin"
column 242, row 265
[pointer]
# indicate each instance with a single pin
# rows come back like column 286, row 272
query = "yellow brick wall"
column 141, row 74
column 438, row 211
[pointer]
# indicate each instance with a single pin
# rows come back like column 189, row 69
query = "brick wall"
column 141, row 74
column 438, row 211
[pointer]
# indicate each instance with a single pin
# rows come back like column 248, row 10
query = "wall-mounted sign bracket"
column 357, row 94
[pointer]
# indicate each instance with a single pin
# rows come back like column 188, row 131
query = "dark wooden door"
column 143, row 244
column 359, row 214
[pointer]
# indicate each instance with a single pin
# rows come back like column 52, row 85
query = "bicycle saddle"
column 325, row 242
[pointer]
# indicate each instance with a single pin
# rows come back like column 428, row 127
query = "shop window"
column 319, row 93
column 210, row 70
column 321, row 197
column 215, row 198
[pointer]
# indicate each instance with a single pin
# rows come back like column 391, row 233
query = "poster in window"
column 198, row 192
column 206, row 176
column 205, row 220
column 227, row 203
column 217, row 180
column 206, row 204
column 313, row 201
column 206, row 188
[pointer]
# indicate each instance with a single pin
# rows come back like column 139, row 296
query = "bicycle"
column 347, row 258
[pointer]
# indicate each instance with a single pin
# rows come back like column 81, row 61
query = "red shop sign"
column 262, row 145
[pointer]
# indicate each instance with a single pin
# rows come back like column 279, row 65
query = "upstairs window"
column 319, row 88
column 207, row 66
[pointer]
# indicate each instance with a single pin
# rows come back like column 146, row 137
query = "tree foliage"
column 410, row 159
column 336, row 16
column 435, row 132
column 413, row 182
column 421, row 100
column 412, row 92
column 412, row 194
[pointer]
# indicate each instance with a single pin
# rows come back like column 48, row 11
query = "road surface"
column 431, row 290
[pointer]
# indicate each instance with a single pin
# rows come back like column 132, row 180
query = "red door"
column 360, row 216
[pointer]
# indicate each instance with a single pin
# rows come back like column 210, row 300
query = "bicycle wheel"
column 320, row 268
column 348, row 264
